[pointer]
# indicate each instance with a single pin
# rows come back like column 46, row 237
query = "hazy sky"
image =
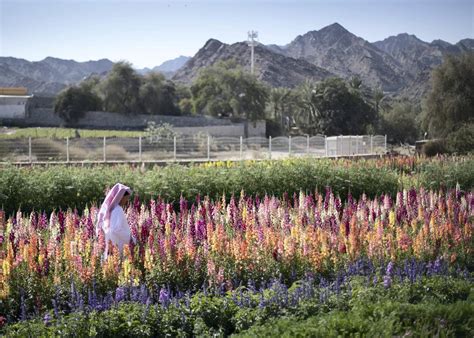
column 147, row 33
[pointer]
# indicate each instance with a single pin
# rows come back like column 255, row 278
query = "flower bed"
column 54, row 265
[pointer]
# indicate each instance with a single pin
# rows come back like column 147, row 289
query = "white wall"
column 13, row 107
column 235, row 130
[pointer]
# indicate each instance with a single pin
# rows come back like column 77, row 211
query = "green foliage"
column 385, row 319
column 225, row 89
column 120, row 90
column 434, row 306
column 433, row 148
column 282, row 103
column 461, row 141
column 400, row 124
column 330, row 108
column 158, row 96
column 450, row 103
column 437, row 175
column 63, row 187
column 155, row 132
column 61, row 133
column 73, row 102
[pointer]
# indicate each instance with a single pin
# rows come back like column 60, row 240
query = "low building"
column 13, row 106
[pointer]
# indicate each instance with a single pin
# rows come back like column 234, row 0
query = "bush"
column 385, row 319
column 347, row 313
column 461, row 141
column 434, row 148
column 63, row 187
column 72, row 103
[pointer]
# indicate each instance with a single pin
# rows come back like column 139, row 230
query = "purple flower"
column 119, row 294
column 47, row 319
column 389, row 271
column 262, row 302
column 164, row 298
column 143, row 294
column 387, row 281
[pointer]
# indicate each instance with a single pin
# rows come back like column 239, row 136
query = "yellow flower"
column 391, row 219
column 6, row 267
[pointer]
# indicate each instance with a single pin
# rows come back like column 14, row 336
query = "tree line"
column 332, row 107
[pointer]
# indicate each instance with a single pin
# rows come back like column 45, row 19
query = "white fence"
column 190, row 148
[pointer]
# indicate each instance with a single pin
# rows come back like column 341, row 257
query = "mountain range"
column 398, row 65
column 167, row 68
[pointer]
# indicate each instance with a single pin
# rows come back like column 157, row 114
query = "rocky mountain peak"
column 334, row 29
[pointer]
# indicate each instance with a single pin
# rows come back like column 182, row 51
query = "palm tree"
column 278, row 102
column 378, row 97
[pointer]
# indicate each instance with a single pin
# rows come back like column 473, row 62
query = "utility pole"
column 252, row 35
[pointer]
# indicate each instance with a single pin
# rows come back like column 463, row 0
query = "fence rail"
column 187, row 148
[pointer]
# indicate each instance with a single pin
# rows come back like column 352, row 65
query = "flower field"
column 223, row 266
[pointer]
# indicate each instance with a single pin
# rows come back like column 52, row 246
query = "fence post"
column 289, row 146
column 350, row 145
column 174, row 148
column 357, row 145
column 371, row 144
column 338, row 146
column 140, row 148
column 326, row 145
column 270, row 147
column 105, row 143
column 67, row 149
column 29, row 149
column 241, row 141
column 307, row 144
column 385, row 144
column 208, row 147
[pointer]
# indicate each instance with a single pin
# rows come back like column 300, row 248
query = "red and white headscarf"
column 111, row 201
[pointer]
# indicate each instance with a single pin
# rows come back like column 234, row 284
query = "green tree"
column 184, row 98
column 157, row 95
column 209, row 94
column 400, row 123
column 282, row 103
column 91, row 84
column 378, row 97
column 333, row 109
column 450, row 103
column 461, row 141
column 225, row 89
column 120, row 90
column 308, row 114
column 73, row 102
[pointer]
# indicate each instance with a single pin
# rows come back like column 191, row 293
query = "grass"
column 12, row 133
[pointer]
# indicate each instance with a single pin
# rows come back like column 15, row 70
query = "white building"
column 13, row 106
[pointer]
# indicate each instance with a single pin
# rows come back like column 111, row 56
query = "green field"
column 11, row 133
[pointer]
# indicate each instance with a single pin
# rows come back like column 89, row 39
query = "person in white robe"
column 112, row 219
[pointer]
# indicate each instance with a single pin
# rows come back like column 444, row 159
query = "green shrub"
column 49, row 188
column 461, row 141
column 434, row 148
column 445, row 174
column 363, row 311
column 385, row 319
